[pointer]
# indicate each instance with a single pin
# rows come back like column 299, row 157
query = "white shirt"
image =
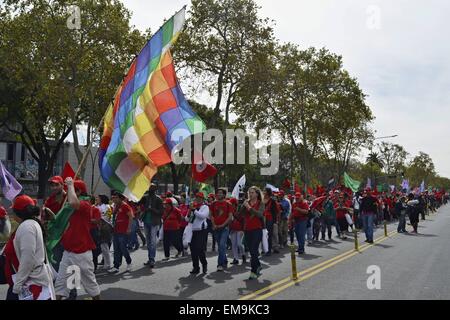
column 29, row 248
column 201, row 215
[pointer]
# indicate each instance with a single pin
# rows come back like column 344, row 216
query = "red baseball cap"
column 200, row 195
column 212, row 195
column 21, row 202
column 56, row 179
column 168, row 201
column 80, row 185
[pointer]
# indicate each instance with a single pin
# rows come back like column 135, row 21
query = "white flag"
column 239, row 187
column 272, row 188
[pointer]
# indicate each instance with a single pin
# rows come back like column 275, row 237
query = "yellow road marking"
column 300, row 275
column 311, row 274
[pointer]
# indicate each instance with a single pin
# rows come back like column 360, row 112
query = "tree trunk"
column 174, row 177
column 45, row 172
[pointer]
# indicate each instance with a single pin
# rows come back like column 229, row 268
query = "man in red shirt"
column 56, row 199
column 122, row 222
column 272, row 213
column 78, row 244
column 221, row 216
column 299, row 218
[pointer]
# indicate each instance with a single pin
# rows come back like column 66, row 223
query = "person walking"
column 122, row 223
column 272, row 217
column 77, row 243
column 198, row 214
column 253, row 212
column 171, row 228
column 237, row 234
column 300, row 210
column 285, row 212
column 400, row 210
column 26, row 269
column 153, row 210
column 221, row 216
column 369, row 207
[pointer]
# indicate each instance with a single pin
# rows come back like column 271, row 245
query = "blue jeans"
column 300, row 233
column 120, row 249
column 150, row 233
column 133, row 238
column 368, row 226
column 253, row 239
column 222, row 237
column 401, row 223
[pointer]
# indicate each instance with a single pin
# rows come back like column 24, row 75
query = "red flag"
column 67, row 171
column 320, row 190
column 203, row 171
column 286, row 184
column 318, row 202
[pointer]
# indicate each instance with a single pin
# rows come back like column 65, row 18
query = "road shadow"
column 106, row 278
column 253, row 285
column 308, row 257
column 125, row 294
column 386, row 246
column 190, row 285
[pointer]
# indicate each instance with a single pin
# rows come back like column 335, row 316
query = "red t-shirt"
column 172, row 219
column 10, row 259
column 77, row 237
column 340, row 213
column 95, row 215
column 122, row 219
column 220, row 211
column 238, row 222
column 53, row 204
column 184, row 210
column 2, row 212
column 268, row 212
column 252, row 222
column 296, row 214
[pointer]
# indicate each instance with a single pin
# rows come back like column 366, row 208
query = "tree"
column 393, row 157
column 421, row 168
column 311, row 100
column 221, row 38
column 59, row 77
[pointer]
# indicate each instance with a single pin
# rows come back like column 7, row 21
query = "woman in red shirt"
column 253, row 213
column 171, row 226
column 236, row 234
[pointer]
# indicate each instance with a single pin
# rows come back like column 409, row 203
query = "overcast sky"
column 399, row 51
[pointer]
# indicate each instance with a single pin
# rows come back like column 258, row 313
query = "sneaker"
column 129, row 267
column 205, row 268
column 276, row 251
column 177, row 255
column 113, row 270
column 253, row 276
column 219, row 268
column 166, row 259
column 150, row 264
column 235, row 261
column 258, row 271
column 267, row 254
column 370, row 241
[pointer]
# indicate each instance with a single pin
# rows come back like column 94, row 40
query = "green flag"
column 58, row 226
column 206, row 189
column 350, row 183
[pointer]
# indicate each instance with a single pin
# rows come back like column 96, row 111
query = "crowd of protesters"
column 259, row 222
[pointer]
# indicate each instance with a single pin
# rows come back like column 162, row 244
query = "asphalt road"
column 411, row 267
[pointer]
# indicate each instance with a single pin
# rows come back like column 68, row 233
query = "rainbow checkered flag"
column 149, row 117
